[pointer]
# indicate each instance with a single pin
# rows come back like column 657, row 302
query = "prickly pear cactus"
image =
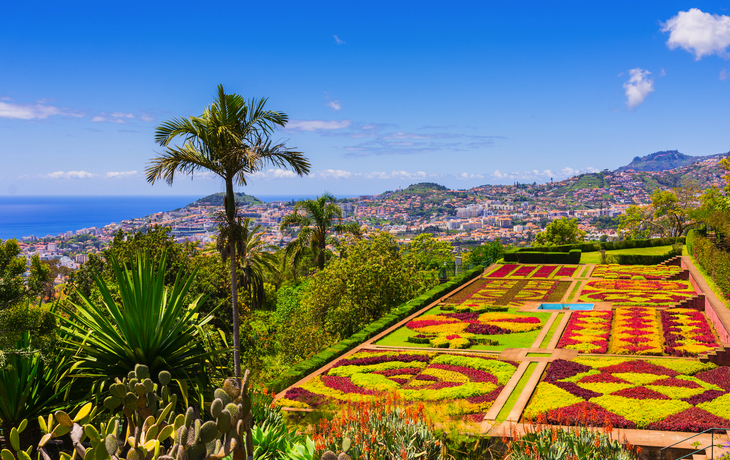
column 229, row 434
column 346, row 444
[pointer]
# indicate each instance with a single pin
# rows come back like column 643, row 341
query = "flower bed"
column 686, row 332
column 470, row 382
column 648, row 272
column 515, row 271
column 461, row 329
column 534, row 290
column 490, row 290
column 587, row 331
column 636, row 332
column 660, row 394
column 637, row 292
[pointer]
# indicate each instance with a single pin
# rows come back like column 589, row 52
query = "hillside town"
column 511, row 213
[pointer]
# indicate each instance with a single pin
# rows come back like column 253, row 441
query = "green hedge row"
column 608, row 245
column 713, row 260
column 543, row 257
column 376, row 327
column 642, row 259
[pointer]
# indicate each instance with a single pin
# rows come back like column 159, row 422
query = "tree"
column 670, row 214
column 317, row 219
column 255, row 256
column 560, row 231
column 485, row 253
column 427, row 253
column 231, row 140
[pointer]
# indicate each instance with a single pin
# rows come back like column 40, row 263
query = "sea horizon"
column 39, row 215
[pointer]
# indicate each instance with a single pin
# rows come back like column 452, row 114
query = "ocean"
column 50, row 215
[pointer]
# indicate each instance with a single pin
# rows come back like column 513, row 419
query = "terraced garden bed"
column 521, row 271
column 479, row 329
column 509, row 292
column 639, row 331
column 453, row 385
column 656, row 394
column 637, row 292
column 649, row 272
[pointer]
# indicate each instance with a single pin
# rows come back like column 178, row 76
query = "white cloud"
column 120, row 174
column 699, row 33
column 274, row 174
column 39, row 111
column 499, row 174
column 113, row 117
column 318, row 125
column 638, row 87
column 663, row 73
column 332, row 174
column 334, row 105
column 723, row 75
column 338, row 41
column 68, row 175
column 145, row 117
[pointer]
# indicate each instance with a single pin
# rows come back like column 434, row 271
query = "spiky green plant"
column 144, row 323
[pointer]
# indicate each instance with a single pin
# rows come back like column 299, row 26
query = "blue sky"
column 379, row 94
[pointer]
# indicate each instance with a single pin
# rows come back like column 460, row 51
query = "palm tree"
column 231, row 140
column 254, row 254
column 315, row 223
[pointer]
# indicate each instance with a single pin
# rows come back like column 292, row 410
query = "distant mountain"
column 423, row 187
column 216, row 199
column 663, row 161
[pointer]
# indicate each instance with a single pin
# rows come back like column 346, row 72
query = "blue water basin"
column 565, row 306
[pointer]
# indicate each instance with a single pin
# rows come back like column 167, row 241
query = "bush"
column 329, row 354
column 643, row 259
column 532, row 257
column 712, row 259
column 608, row 245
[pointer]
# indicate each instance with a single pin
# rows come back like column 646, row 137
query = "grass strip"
column 551, row 331
column 516, row 392
column 709, row 280
column 575, row 289
column 595, row 257
column 539, row 355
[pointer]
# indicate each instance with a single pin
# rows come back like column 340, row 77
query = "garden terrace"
column 511, row 362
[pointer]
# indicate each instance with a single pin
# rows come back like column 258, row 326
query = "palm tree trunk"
column 231, row 215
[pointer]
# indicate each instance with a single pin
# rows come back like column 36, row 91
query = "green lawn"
column 507, row 408
column 399, row 337
column 550, row 333
column 595, row 256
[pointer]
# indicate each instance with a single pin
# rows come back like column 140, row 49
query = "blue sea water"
column 50, row 215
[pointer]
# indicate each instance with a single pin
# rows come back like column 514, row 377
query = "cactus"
column 149, row 421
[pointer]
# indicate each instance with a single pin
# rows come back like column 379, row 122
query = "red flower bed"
column 672, row 382
column 502, row 271
column 719, row 376
column 544, row 271
column 587, row 332
column 639, row 367
column 575, row 390
column 692, row 419
column 601, row 378
column 343, row 384
column 587, row 413
column 401, row 371
column 707, row 396
column 522, row 271
column 491, row 396
column 474, row 375
column 565, row 272
column 640, row 393
column 561, row 369
column 679, row 341
column 404, row 358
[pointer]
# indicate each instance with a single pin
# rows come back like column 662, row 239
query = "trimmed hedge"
column 531, row 257
column 642, row 259
column 401, row 312
column 608, row 245
column 713, row 260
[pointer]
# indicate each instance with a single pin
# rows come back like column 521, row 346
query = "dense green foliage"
column 714, row 260
column 484, row 254
column 560, row 231
column 146, row 323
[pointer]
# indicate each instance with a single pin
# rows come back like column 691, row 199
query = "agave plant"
column 144, row 323
column 30, row 386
